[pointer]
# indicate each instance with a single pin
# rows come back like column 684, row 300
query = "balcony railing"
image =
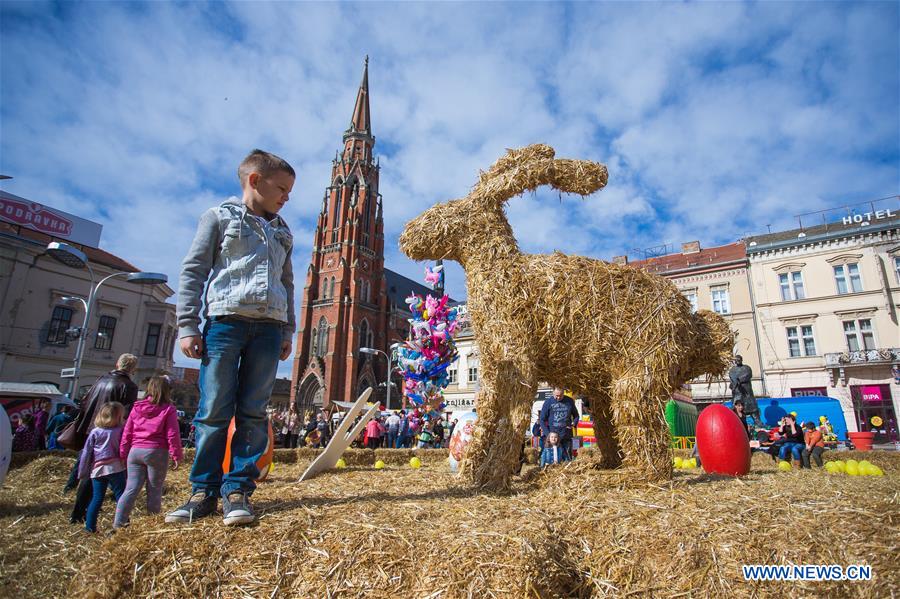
column 886, row 355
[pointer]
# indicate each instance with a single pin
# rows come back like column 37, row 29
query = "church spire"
column 360, row 123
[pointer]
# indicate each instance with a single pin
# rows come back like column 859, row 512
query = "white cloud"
column 714, row 119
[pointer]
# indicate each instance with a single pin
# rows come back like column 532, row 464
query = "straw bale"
column 569, row 531
column 624, row 338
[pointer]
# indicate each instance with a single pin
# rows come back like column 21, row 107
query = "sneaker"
column 199, row 505
column 236, row 509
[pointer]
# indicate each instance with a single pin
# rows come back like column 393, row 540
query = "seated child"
column 553, row 453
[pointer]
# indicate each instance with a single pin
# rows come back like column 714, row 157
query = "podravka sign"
column 48, row 220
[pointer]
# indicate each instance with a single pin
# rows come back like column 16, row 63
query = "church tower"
column 345, row 305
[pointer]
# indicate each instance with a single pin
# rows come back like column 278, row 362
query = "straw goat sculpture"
column 620, row 336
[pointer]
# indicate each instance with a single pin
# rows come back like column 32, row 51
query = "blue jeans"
column 392, row 440
column 795, row 449
column 100, row 484
column 237, row 374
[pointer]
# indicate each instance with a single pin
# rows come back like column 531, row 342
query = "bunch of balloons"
column 429, row 349
column 853, row 468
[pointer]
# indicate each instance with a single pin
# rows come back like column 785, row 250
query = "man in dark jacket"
column 559, row 415
column 112, row 386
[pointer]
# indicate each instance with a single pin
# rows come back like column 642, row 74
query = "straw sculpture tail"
column 622, row 337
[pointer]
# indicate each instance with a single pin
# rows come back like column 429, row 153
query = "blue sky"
column 714, row 119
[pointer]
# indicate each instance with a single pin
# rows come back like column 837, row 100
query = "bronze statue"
column 741, row 377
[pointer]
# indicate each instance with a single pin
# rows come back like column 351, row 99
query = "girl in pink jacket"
column 151, row 430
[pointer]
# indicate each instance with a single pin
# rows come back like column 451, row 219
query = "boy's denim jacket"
column 247, row 266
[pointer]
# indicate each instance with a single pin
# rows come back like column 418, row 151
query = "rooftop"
column 824, row 232
column 704, row 259
column 95, row 255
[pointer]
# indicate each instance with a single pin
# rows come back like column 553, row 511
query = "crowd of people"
column 803, row 442
column 390, row 429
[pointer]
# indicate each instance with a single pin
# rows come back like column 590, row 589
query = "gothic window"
column 336, row 220
column 322, row 343
column 367, row 209
column 331, row 293
column 364, row 334
column 315, row 341
column 324, row 289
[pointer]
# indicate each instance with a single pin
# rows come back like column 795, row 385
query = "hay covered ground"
column 567, row 532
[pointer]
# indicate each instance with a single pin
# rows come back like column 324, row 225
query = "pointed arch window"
column 367, row 210
column 331, row 293
column 364, row 334
column 336, row 218
column 324, row 294
column 322, row 343
column 314, row 338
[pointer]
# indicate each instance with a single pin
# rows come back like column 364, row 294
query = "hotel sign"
column 50, row 221
column 868, row 217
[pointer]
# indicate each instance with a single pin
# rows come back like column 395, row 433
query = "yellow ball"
column 831, row 467
column 379, row 465
column 679, row 463
column 693, row 462
column 840, row 466
column 866, row 469
column 341, row 463
column 853, row 462
column 415, row 463
column 852, row 469
column 784, row 466
column 876, row 471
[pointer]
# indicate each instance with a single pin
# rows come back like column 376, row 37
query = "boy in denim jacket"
column 238, row 276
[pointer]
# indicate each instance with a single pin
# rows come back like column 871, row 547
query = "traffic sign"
column 67, row 373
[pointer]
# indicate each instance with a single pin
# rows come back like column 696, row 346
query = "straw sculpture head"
column 622, row 337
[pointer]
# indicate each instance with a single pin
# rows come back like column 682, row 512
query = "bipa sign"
column 867, row 217
column 871, row 394
column 48, row 220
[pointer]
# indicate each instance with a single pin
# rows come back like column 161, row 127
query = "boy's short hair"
column 264, row 163
column 127, row 362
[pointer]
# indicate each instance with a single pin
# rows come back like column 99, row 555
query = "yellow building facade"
column 826, row 309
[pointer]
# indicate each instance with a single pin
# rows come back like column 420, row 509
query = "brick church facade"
column 350, row 300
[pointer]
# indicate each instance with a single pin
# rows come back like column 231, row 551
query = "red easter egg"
column 262, row 463
column 722, row 442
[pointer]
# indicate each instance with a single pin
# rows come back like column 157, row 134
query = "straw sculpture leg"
column 504, row 409
column 638, row 412
column 607, row 438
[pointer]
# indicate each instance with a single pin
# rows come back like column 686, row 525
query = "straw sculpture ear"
column 531, row 167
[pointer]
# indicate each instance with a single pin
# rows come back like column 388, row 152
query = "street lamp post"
column 75, row 258
column 372, row 351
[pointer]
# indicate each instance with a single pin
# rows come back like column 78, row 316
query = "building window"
column 801, row 341
column 105, row 332
column 691, row 297
column 859, row 334
column 331, row 291
column 720, row 302
column 322, row 344
column 364, row 334
column 897, row 267
column 791, row 284
column 473, row 373
column 451, row 376
column 152, row 343
column 59, row 324
column 847, row 279
column 325, row 288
